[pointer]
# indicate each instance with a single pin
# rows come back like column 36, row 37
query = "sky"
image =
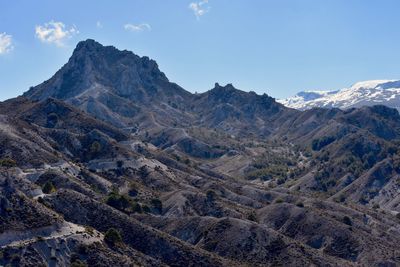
column 278, row 47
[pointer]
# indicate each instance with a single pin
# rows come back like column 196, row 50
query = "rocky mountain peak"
column 228, row 86
column 94, row 69
column 89, row 44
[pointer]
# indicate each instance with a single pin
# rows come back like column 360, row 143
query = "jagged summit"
column 94, row 68
column 89, row 44
column 110, row 84
column 227, row 86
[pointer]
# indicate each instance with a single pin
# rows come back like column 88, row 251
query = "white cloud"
column 138, row 27
column 5, row 43
column 54, row 32
column 99, row 25
column 199, row 8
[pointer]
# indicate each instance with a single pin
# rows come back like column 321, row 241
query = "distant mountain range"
column 108, row 163
column 367, row 93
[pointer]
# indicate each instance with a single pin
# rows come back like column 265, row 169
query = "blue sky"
column 274, row 46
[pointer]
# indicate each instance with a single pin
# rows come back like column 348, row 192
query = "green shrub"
column 52, row 119
column 279, row 200
column 123, row 203
column 319, row 143
column 48, row 188
column 300, row 204
column 281, row 181
column 136, row 207
column 157, row 205
column 274, row 171
column 120, row 163
column 252, row 216
column 95, row 147
column 8, row 163
column 78, row 263
column 211, row 196
column 112, row 236
column 146, row 209
column 347, row 220
column 118, row 201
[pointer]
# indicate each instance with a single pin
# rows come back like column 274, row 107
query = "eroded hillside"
column 109, row 163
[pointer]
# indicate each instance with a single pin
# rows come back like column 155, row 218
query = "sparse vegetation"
column 318, row 144
column 146, row 209
column 95, row 148
column 252, row 216
column 112, row 236
column 120, row 163
column 78, row 263
column 52, row 119
column 48, row 187
column 211, row 195
column 205, row 173
column 157, row 205
column 123, row 203
column 347, row 220
column 7, row 163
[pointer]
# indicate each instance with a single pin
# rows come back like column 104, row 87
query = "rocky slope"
column 108, row 163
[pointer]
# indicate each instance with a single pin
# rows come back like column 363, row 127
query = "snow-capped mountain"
column 367, row 93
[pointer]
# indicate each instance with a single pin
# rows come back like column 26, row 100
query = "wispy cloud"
column 55, row 32
column 99, row 25
column 199, row 8
column 5, row 43
column 137, row 27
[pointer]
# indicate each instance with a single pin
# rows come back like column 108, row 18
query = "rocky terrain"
column 108, row 163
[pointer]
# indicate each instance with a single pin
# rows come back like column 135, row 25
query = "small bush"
column 95, row 147
column 7, row 163
column 136, row 207
column 281, row 181
column 252, row 216
column 319, row 143
column 89, row 230
column 123, row 203
column 279, row 200
column 78, row 263
column 118, row 201
column 376, row 206
column 52, row 120
column 112, row 236
column 146, row 209
column 120, row 164
column 48, row 188
column 300, row 204
column 347, row 220
column 157, row 205
column 211, row 195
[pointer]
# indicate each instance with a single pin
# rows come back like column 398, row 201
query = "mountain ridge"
column 109, row 164
column 365, row 93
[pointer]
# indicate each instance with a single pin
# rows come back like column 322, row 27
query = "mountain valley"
column 110, row 163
